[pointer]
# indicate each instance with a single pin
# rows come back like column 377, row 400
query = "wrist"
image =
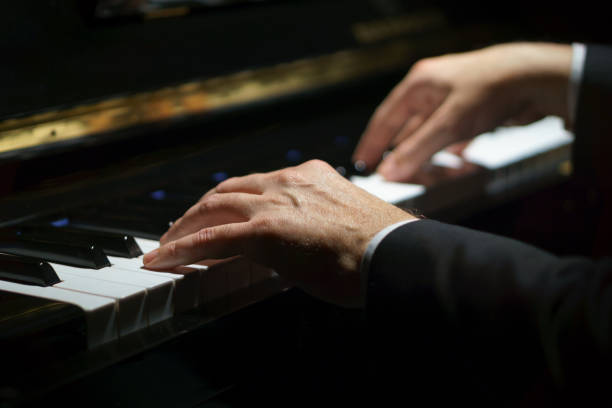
column 546, row 71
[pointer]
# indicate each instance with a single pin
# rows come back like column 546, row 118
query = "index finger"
column 213, row 210
column 377, row 136
column 218, row 242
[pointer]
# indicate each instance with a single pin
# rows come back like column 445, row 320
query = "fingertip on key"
column 149, row 259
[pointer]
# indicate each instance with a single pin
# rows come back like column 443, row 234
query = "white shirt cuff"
column 578, row 57
column 364, row 268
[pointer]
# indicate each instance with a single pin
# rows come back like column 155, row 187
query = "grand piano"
column 116, row 116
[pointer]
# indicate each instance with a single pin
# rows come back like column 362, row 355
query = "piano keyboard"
column 119, row 297
column 513, row 155
column 124, row 298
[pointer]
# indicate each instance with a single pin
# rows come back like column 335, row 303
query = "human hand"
column 452, row 98
column 308, row 223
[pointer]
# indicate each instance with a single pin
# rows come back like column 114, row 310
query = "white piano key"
column 447, row 159
column 260, row 273
column 239, row 274
column 186, row 280
column 508, row 145
column 389, row 191
column 131, row 300
column 147, row 245
column 215, row 283
column 160, row 289
column 100, row 312
column 190, row 287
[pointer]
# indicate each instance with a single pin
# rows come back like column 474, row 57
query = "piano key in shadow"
column 76, row 255
column 132, row 313
column 159, row 289
column 112, row 244
column 185, row 281
column 171, row 194
column 162, row 201
column 100, row 312
column 32, row 327
column 145, row 209
column 136, row 225
column 27, row 270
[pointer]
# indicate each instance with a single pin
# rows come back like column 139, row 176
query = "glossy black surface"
column 111, row 244
column 69, row 254
column 27, row 270
column 34, row 333
column 135, row 224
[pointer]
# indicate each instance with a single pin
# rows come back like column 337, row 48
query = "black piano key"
column 130, row 224
column 147, row 208
column 74, row 255
column 27, row 270
column 120, row 245
column 169, row 200
column 174, row 195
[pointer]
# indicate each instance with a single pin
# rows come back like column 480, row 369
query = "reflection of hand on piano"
column 307, row 222
column 456, row 97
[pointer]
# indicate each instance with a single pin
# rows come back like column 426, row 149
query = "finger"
column 436, row 133
column 215, row 209
column 428, row 103
column 255, row 183
column 252, row 184
column 221, row 241
column 387, row 120
column 459, row 147
column 412, row 124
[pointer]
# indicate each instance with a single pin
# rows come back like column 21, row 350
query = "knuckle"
column 172, row 249
column 209, row 204
column 423, row 65
column 226, row 184
column 317, row 163
column 203, row 207
column 203, row 237
column 262, row 225
column 290, row 176
column 227, row 181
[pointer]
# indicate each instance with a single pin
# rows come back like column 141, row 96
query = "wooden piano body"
column 106, row 119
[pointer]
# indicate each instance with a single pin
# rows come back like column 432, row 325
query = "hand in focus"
column 452, row 98
column 307, row 222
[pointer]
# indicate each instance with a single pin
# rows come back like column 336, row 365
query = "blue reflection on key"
column 293, row 156
column 158, row 195
column 62, row 222
column 219, row 176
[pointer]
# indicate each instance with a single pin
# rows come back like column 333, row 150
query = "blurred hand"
column 307, row 222
column 455, row 97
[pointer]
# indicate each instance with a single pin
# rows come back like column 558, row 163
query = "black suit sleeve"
column 486, row 317
column 593, row 128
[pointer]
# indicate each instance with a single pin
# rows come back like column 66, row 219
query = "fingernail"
column 150, row 258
